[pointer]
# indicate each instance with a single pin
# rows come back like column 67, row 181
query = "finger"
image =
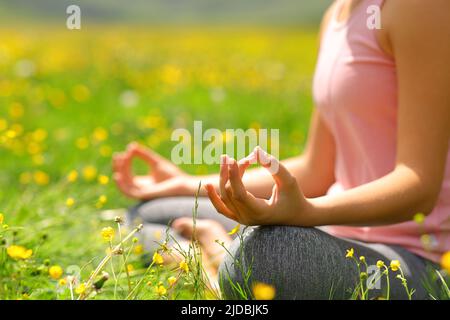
column 127, row 165
column 115, row 163
column 124, row 187
column 218, row 203
column 223, row 175
column 251, row 158
column 149, row 156
column 223, row 183
column 243, row 164
column 123, row 167
column 280, row 174
column 252, row 210
column 237, row 187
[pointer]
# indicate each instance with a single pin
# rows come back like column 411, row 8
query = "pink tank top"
column 355, row 91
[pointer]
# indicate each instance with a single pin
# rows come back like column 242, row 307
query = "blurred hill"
column 265, row 12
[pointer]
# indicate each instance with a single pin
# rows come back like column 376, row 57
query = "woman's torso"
column 355, row 91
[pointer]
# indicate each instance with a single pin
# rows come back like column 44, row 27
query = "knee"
column 152, row 211
column 266, row 254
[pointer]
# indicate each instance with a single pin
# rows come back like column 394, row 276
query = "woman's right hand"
column 164, row 178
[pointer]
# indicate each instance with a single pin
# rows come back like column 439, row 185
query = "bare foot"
column 208, row 233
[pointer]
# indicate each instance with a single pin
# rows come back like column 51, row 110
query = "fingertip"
column 224, row 159
column 117, row 155
column 132, row 145
column 263, row 157
column 231, row 162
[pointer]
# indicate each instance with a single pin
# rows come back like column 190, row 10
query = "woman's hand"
column 164, row 179
column 286, row 206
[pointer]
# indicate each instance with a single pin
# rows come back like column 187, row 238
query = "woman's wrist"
column 310, row 214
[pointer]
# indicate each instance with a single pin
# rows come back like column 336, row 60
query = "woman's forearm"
column 395, row 198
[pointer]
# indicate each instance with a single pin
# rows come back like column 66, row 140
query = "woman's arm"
column 419, row 34
column 314, row 169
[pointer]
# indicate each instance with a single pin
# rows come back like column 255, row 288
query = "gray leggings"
column 301, row 263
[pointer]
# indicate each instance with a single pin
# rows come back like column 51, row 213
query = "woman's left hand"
column 286, row 206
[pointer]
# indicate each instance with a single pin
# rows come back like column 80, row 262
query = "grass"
column 70, row 99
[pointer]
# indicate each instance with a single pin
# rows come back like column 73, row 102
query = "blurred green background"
column 134, row 72
column 263, row 12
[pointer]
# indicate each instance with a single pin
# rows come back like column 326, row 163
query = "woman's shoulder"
column 416, row 14
column 416, row 21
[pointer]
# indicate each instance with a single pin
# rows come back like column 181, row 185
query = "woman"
column 377, row 154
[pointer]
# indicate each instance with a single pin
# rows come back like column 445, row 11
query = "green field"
column 68, row 100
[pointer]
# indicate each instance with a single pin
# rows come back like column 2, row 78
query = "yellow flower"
column 161, row 290
column 235, row 230
column 419, row 218
column 3, row 124
column 62, row 282
column 2, row 218
column 362, row 259
column 39, row 135
column 102, row 200
column 184, row 266
column 172, row 281
column 130, row 268
column 89, row 173
column 82, row 143
column 19, row 252
column 102, row 179
column 380, row 264
column 55, row 272
column 70, row 202
column 171, row 74
column 80, row 289
column 11, row 134
column 262, row 291
column 139, row 249
column 72, row 176
column 108, row 233
column 157, row 258
column 350, row 253
column 100, row 134
column 445, row 261
column 395, row 265
column 41, row 178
